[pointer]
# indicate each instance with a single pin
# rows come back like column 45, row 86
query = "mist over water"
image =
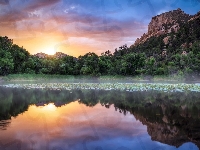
column 190, row 79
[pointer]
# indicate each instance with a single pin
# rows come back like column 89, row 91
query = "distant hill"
column 56, row 55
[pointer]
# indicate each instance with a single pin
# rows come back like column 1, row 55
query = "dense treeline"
column 180, row 56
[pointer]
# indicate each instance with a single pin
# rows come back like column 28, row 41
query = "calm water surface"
column 98, row 120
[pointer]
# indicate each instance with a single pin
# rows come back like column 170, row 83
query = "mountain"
column 171, row 45
column 165, row 23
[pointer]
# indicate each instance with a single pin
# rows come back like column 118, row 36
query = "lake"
column 89, row 119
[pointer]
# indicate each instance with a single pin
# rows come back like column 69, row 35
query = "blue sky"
column 79, row 26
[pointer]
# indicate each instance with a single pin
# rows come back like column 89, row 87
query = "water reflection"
column 89, row 119
column 4, row 124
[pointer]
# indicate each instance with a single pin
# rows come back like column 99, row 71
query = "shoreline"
column 100, row 80
column 82, row 78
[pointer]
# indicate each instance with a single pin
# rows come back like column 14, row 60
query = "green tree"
column 6, row 62
column 20, row 56
column 90, row 64
column 150, row 66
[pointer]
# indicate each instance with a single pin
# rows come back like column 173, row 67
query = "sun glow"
column 46, row 43
column 49, row 107
column 50, row 51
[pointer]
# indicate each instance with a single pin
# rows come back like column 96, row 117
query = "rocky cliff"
column 165, row 23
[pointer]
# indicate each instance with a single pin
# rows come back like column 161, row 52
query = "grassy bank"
column 34, row 77
column 42, row 77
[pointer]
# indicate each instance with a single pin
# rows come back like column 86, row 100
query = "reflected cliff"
column 171, row 118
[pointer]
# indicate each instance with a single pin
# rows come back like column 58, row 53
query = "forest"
column 181, row 56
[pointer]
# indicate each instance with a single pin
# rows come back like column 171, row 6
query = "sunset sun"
column 49, row 50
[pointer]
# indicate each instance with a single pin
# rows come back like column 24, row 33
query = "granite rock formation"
column 165, row 23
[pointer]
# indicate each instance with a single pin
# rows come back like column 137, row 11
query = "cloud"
column 4, row 2
column 38, row 4
column 109, row 23
column 13, row 16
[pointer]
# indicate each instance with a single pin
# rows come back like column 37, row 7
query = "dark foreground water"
column 34, row 119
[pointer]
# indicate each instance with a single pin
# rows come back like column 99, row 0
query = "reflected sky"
column 76, row 126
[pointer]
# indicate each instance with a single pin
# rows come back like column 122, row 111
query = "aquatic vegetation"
column 165, row 87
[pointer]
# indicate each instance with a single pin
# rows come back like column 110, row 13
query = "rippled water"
column 35, row 119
